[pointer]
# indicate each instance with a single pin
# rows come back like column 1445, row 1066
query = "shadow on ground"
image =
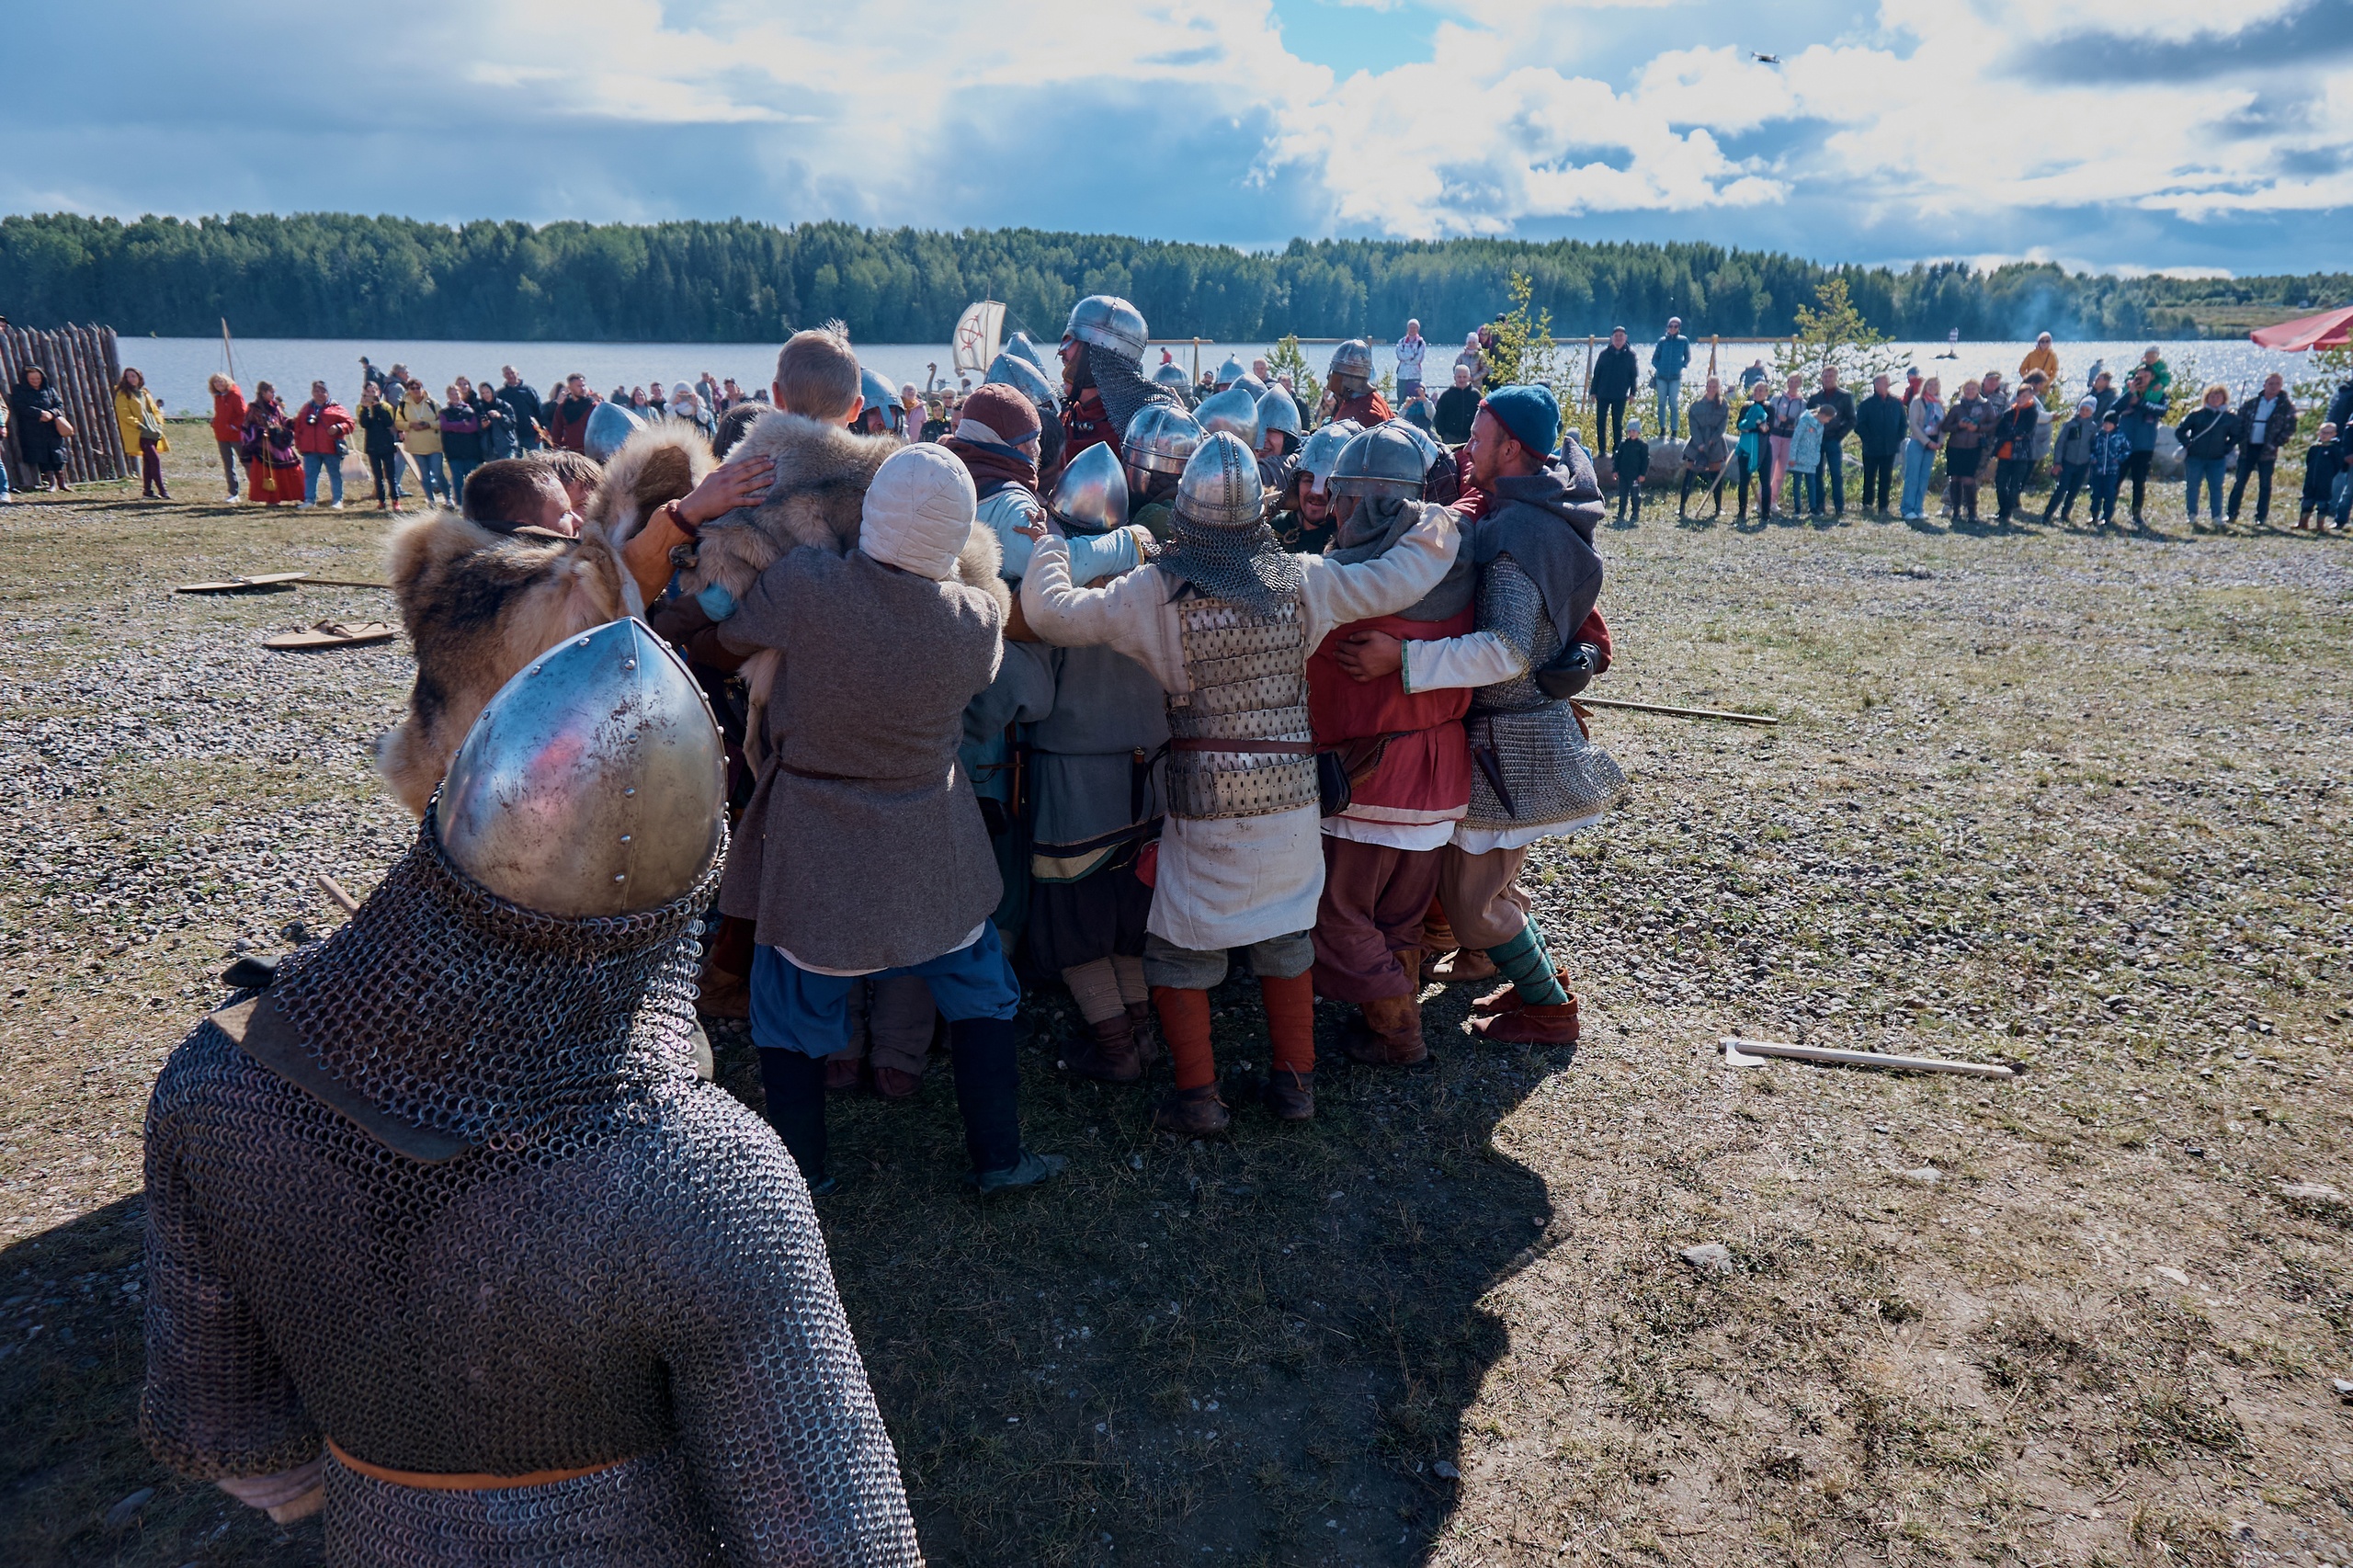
column 1251, row 1352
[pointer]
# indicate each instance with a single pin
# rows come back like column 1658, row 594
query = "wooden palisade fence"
column 83, row 366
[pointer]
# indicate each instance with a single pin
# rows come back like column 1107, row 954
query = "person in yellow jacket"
column 2042, row 357
column 140, row 419
column 421, row 434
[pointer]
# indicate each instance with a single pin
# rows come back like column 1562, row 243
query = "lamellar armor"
column 1241, row 743
column 445, row 1215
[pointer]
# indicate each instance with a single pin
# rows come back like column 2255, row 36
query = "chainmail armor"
column 1120, row 381
column 1244, row 566
column 1552, row 771
column 623, row 1271
column 1249, row 676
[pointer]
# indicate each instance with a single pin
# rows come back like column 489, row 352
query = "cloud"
column 2148, row 133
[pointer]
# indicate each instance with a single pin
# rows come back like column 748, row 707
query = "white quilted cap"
column 918, row 511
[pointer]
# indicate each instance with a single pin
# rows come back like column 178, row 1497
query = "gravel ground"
column 2061, row 799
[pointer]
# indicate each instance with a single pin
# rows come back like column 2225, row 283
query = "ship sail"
column 979, row 334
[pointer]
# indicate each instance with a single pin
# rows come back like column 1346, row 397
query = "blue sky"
column 2116, row 134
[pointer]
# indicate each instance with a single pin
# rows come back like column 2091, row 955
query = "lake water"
column 178, row 367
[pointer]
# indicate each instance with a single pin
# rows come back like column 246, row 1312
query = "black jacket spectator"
column 1631, row 462
column 2340, row 407
column 1615, row 375
column 1879, row 420
column 523, row 403
column 1842, row 419
column 2208, row 433
column 1457, row 407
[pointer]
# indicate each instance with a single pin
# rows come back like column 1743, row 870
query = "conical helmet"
column 1091, row 497
column 593, row 784
column 609, row 425
column 1251, row 384
column 1232, row 410
column 1352, row 361
column 1383, row 462
column 1220, row 488
column 1011, row 370
column 1171, row 375
column 1107, row 319
column 1322, row 449
column 1277, row 412
column 1229, row 373
column 878, row 395
column 1160, row 439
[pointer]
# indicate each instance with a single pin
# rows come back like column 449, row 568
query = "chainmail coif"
column 1247, row 566
column 622, row 1271
column 1121, row 382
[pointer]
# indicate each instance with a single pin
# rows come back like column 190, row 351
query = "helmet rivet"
column 624, row 838
column 582, row 644
column 535, row 669
column 630, row 791
column 629, row 664
column 621, row 876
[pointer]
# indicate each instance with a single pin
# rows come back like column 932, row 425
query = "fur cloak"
column 480, row 604
column 817, row 498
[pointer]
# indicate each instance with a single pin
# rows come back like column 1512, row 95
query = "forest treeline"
column 339, row 275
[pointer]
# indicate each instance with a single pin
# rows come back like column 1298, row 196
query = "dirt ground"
column 2066, row 799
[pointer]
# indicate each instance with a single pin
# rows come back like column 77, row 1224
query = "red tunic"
column 1365, row 408
column 1086, row 423
column 1424, row 774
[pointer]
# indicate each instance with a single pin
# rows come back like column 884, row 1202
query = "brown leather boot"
column 1291, row 1095
column 722, row 994
column 1506, row 1000
column 1390, row 1034
column 1464, row 966
column 842, row 1073
column 1552, row 1024
column 891, row 1083
column 1109, row 1057
column 1147, row 1037
column 1193, row 1113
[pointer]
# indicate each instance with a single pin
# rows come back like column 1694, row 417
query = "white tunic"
column 1229, row 882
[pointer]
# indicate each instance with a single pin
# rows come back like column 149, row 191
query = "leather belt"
column 1270, row 748
column 426, row 1481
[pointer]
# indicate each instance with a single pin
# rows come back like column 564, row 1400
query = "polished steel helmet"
column 1172, row 376
column 609, row 425
column 1277, row 412
column 1322, row 449
column 1228, row 373
column 594, row 782
column 1010, row 369
column 1161, row 437
column 1251, row 384
column 1220, row 488
column 1383, row 460
column 1352, row 361
column 1091, row 497
column 1232, row 410
column 1021, row 346
column 878, row 395
column 1110, row 321
column 1422, row 439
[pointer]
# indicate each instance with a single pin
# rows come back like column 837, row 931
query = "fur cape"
column 817, row 498
column 481, row 605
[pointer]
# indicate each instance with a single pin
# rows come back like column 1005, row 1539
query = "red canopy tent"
column 2326, row 330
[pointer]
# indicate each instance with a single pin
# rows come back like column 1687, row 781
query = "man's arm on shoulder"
column 1074, row 616
column 1337, row 595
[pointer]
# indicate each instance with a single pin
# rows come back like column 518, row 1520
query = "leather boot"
column 1193, row 1113
column 1465, row 966
column 722, row 994
column 1507, row 999
column 1391, row 1035
column 1548, row 1025
column 1291, row 1095
column 843, row 1073
column 1109, row 1057
column 1147, row 1039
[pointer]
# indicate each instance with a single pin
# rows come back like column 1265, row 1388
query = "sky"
column 2195, row 136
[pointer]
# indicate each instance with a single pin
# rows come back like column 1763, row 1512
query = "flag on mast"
column 979, row 336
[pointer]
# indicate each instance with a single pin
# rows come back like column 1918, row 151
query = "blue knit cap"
column 1531, row 414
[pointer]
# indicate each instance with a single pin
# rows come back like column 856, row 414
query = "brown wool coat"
column 863, row 846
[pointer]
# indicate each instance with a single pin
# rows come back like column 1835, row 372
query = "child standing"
column 1631, row 462
column 2111, row 453
column 2323, row 463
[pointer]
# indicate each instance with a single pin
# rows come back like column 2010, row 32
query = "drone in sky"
column 1765, row 59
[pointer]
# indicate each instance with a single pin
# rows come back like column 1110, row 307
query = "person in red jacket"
column 320, row 426
column 1348, row 385
column 1407, row 759
column 228, row 427
column 568, row 415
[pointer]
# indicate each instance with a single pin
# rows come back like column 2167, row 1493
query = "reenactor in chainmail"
column 1224, row 619
column 1102, row 354
column 1535, row 774
column 1160, row 440
column 443, row 1233
column 1348, row 389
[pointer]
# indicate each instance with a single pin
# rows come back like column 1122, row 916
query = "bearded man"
column 1347, row 385
column 1102, row 355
